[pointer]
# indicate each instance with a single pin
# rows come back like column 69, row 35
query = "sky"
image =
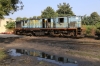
column 34, row 7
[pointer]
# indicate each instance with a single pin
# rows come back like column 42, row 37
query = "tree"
column 39, row 17
column 34, row 17
column 95, row 18
column 9, row 6
column 64, row 10
column 30, row 18
column 86, row 20
column 92, row 19
column 48, row 13
column 18, row 18
column 10, row 25
column 24, row 18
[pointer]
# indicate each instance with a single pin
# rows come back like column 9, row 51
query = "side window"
column 43, row 20
column 61, row 20
column 73, row 22
column 26, row 21
column 49, row 20
column 23, row 23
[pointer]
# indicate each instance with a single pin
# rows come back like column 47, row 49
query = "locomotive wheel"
column 72, row 34
column 17, row 32
column 61, row 35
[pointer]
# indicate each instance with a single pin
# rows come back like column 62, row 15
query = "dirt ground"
column 85, row 51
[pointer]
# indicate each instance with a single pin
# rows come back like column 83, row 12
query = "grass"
column 3, row 55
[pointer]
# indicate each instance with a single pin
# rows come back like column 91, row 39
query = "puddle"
column 61, row 61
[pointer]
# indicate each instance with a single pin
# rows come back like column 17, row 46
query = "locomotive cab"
column 47, row 23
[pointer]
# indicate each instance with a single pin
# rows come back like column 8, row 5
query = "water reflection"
column 13, row 52
column 62, row 61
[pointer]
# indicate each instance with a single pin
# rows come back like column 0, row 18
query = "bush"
column 90, row 30
column 10, row 25
column 97, row 25
column 97, row 31
column 3, row 55
column 97, row 28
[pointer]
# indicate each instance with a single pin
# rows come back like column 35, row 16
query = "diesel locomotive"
column 59, row 26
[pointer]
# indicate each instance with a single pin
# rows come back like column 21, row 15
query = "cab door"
column 44, row 23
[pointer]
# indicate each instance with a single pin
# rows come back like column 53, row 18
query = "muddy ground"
column 85, row 51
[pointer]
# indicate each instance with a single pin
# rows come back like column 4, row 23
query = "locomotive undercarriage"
column 50, row 32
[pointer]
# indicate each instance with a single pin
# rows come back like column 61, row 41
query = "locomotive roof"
column 61, row 17
column 47, row 18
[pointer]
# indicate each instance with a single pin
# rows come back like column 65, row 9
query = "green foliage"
column 97, row 25
column 10, row 25
column 90, row 30
column 34, row 17
column 39, row 17
column 9, row 6
column 48, row 13
column 91, row 20
column 18, row 18
column 24, row 18
column 2, row 54
column 86, row 20
column 95, row 18
column 30, row 18
column 97, row 31
column 64, row 10
column 98, row 28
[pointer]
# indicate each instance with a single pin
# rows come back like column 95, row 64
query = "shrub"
column 90, row 30
column 10, row 25
column 3, row 55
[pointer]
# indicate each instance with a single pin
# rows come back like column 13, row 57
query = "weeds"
column 3, row 55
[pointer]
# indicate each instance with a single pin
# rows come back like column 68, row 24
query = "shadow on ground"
column 8, row 40
column 69, row 44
